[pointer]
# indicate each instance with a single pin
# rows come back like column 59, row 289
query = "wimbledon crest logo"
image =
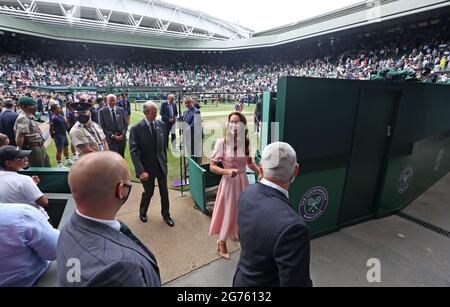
column 405, row 179
column 313, row 204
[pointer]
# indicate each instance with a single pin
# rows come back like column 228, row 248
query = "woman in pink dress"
column 234, row 153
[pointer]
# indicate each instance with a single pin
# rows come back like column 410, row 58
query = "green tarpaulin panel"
column 53, row 180
column 365, row 148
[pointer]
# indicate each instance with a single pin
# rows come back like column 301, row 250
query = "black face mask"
column 129, row 186
column 83, row 119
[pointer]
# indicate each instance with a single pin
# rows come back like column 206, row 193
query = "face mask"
column 83, row 119
column 129, row 186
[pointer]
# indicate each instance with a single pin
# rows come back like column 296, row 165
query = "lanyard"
column 94, row 133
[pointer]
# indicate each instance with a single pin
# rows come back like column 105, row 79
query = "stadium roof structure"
column 158, row 25
column 149, row 18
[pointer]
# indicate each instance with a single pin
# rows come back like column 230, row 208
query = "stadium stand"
column 419, row 50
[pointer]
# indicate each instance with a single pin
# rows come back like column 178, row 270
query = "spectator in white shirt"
column 16, row 188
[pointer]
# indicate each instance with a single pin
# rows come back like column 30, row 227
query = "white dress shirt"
column 275, row 186
column 151, row 125
column 111, row 111
column 111, row 223
column 170, row 109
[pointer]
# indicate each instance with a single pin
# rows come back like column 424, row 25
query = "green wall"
column 355, row 139
column 422, row 141
column 53, row 180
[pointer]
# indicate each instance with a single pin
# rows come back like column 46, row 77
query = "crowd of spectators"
column 424, row 51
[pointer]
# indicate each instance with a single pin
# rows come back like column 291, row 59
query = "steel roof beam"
column 166, row 14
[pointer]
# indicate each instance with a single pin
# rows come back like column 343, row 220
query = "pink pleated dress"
column 224, row 220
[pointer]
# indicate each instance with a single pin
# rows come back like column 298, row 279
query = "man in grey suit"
column 114, row 122
column 275, row 243
column 94, row 249
column 169, row 114
column 149, row 155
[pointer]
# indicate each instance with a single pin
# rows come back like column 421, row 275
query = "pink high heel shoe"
column 222, row 249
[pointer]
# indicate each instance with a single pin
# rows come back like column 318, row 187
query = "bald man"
column 94, row 248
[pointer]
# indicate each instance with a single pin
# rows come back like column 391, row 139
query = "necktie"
column 154, row 135
column 171, row 111
column 114, row 117
column 152, row 128
column 127, row 231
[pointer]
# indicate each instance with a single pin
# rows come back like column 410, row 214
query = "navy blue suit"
column 275, row 243
column 7, row 119
column 165, row 117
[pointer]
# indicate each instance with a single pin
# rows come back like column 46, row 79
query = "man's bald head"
column 94, row 178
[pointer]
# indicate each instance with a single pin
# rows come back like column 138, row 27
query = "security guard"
column 29, row 135
column 86, row 136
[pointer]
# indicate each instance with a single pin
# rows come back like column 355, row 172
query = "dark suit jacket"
column 275, row 246
column 7, row 120
column 145, row 153
column 94, row 115
column 165, row 112
column 107, row 257
column 107, row 124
